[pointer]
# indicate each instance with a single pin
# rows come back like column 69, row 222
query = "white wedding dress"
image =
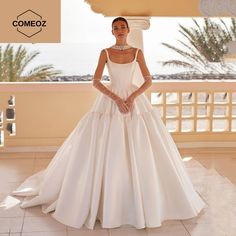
column 118, row 168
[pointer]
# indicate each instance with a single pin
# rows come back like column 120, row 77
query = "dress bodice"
column 121, row 74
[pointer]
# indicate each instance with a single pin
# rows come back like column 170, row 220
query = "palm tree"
column 205, row 48
column 13, row 65
column 205, row 45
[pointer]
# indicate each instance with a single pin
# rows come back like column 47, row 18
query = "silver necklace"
column 121, row 47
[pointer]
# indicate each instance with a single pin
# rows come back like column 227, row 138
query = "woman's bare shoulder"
column 103, row 52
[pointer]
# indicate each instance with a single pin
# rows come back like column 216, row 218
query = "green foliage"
column 13, row 65
column 205, row 46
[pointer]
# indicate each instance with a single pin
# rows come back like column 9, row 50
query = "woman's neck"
column 121, row 43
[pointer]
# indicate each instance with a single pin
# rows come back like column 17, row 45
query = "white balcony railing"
column 45, row 113
column 203, row 107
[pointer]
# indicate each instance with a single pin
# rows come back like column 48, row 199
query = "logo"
column 29, row 23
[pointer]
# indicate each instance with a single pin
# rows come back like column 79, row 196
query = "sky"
column 85, row 33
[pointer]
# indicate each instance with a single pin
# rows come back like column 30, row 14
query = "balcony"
column 197, row 113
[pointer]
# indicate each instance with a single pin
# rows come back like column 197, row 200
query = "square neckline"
column 135, row 57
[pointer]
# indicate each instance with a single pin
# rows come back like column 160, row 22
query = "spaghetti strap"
column 107, row 53
column 136, row 54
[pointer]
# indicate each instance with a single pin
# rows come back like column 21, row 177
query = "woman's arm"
column 97, row 84
column 146, row 75
column 98, row 75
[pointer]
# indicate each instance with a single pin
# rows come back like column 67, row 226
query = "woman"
column 119, row 164
column 122, row 53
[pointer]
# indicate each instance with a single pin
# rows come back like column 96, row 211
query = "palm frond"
column 40, row 73
column 205, row 44
column 179, row 63
column 181, row 52
column 13, row 65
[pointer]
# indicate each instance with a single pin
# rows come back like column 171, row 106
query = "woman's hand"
column 130, row 102
column 123, row 107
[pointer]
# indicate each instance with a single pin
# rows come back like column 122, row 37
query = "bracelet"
column 96, row 78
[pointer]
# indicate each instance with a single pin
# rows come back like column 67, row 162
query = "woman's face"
column 120, row 29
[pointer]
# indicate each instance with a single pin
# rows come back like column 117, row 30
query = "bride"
column 119, row 165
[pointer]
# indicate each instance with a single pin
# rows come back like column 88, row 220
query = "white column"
column 135, row 39
column 137, row 25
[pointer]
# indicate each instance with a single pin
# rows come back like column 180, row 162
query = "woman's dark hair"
column 120, row 19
